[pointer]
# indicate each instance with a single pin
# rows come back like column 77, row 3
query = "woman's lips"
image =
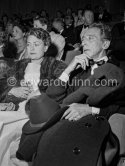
column 32, row 53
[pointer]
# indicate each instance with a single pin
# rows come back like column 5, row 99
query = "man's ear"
column 106, row 44
column 45, row 48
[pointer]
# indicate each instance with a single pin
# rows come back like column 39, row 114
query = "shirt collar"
column 104, row 58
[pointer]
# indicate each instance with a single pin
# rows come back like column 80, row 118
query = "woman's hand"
column 7, row 106
column 76, row 111
column 21, row 92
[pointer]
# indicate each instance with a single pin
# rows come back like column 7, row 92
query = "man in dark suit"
column 87, row 87
column 88, row 20
column 95, row 41
column 67, row 30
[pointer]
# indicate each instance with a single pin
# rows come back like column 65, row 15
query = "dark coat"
column 86, row 90
column 87, row 142
column 72, row 143
column 50, row 69
column 69, row 35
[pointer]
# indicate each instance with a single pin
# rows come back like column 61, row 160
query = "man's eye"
column 37, row 44
column 91, row 38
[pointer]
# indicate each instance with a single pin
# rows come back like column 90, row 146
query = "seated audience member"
column 18, row 84
column 118, row 40
column 68, row 11
column 95, row 42
column 4, row 66
column 85, row 87
column 103, row 15
column 2, row 40
column 57, row 40
column 68, row 33
column 59, row 15
column 88, row 20
column 28, row 75
column 80, row 20
column 9, row 29
column 7, row 49
column 19, row 32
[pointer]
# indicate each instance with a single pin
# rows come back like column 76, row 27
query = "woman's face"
column 35, row 48
column 17, row 33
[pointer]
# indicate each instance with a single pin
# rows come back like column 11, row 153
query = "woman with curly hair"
column 25, row 79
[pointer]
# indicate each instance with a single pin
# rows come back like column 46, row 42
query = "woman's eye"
column 28, row 45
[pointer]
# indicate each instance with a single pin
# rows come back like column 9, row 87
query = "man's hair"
column 40, row 34
column 105, row 30
column 88, row 10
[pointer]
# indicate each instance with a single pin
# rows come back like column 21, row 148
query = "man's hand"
column 76, row 111
column 79, row 60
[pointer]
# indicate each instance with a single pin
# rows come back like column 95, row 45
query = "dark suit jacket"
column 118, row 41
column 69, row 35
column 90, row 93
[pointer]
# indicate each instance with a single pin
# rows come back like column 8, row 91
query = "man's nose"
column 83, row 41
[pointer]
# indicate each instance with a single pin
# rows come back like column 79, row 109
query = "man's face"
column 92, row 43
column 68, row 20
column 89, row 17
column 57, row 26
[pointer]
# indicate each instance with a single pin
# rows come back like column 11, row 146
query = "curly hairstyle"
column 21, row 26
column 40, row 34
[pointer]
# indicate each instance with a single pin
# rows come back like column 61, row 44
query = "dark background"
column 25, row 6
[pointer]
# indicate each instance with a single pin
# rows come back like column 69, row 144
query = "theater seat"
column 70, row 55
column 117, row 123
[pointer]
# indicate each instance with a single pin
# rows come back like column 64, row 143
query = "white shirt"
column 64, row 77
column 32, row 75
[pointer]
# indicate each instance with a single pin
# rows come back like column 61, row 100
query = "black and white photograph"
column 62, row 83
